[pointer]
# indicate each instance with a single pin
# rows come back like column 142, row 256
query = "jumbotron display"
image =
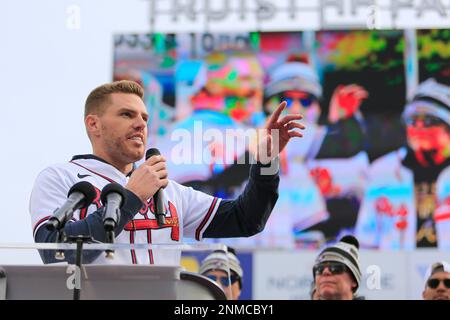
column 374, row 161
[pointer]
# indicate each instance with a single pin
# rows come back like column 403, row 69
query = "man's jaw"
column 441, row 296
column 328, row 284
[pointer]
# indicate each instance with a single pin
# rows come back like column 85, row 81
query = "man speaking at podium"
column 116, row 123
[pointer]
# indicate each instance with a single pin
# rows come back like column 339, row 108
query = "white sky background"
column 46, row 72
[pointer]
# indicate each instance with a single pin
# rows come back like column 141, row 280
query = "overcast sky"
column 50, row 59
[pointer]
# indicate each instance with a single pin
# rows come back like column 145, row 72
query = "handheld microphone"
column 80, row 196
column 158, row 200
column 113, row 197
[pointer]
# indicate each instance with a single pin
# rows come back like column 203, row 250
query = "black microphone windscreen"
column 110, row 188
column 152, row 152
column 86, row 189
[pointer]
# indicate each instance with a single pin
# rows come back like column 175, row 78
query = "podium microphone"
column 158, row 200
column 80, row 196
column 113, row 197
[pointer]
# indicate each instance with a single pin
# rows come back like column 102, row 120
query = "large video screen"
column 374, row 159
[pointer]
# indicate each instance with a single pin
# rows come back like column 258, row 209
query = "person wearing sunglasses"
column 407, row 198
column 325, row 174
column 337, row 272
column 224, row 269
column 437, row 285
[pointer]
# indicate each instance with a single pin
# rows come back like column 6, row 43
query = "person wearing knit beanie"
column 431, row 98
column 337, row 271
column 329, row 208
column 415, row 215
column 437, row 282
column 216, row 267
column 427, row 119
column 296, row 82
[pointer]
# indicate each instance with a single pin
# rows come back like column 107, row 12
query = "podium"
column 105, row 282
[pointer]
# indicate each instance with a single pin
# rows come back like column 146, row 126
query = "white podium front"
column 105, row 282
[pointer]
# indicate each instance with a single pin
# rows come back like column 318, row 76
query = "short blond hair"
column 98, row 97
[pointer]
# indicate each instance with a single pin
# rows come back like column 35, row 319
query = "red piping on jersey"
column 149, row 241
column 38, row 223
column 104, row 177
column 205, row 219
column 133, row 252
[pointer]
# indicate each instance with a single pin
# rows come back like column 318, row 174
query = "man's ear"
column 92, row 124
column 354, row 285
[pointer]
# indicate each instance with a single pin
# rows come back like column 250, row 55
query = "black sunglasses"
column 333, row 267
column 428, row 121
column 224, row 280
column 306, row 101
column 434, row 283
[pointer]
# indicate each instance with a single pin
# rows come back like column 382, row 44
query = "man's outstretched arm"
column 247, row 215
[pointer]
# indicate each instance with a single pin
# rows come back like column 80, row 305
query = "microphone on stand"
column 80, row 196
column 113, row 197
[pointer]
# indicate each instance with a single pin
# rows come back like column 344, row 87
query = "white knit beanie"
column 297, row 76
column 431, row 98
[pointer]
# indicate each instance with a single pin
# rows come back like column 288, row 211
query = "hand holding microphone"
column 148, row 181
column 158, row 197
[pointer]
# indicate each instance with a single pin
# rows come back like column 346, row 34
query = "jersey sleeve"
column 199, row 209
column 49, row 193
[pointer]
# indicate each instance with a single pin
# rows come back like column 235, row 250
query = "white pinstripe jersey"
column 188, row 212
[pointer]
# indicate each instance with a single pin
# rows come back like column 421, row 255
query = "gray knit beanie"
column 346, row 252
